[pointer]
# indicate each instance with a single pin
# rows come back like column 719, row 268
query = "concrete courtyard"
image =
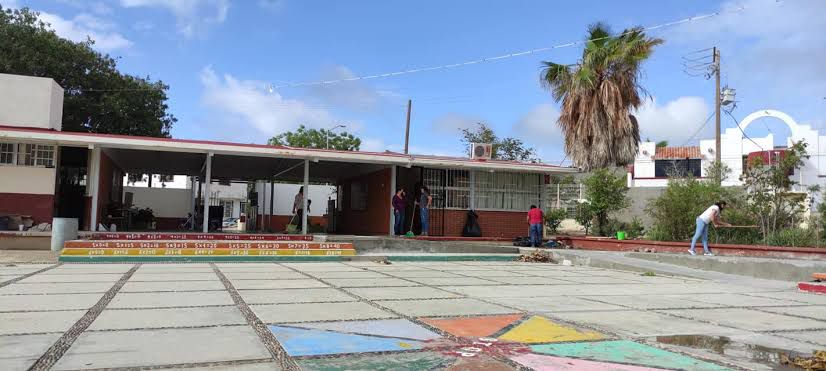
column 404, row 315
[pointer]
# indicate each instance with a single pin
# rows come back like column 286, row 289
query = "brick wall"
column 375, row 219
column 507, row 224
column 40, row 207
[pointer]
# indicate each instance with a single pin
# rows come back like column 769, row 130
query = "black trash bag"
column 522, row 241
column 471, row 228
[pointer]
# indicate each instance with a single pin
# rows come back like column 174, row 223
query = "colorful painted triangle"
column 311, row 342
column 474, row 326
column 540, row 330
column 400, row 328
column 551, row 363
column 626, row 351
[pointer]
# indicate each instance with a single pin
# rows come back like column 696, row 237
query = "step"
column 813, row 287
column 190, row 244
column 149, row 236
column 286, row 258
column 164, row 252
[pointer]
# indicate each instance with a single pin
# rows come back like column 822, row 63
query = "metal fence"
column 563, row 196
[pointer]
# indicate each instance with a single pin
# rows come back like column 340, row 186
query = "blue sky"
column 219, row 57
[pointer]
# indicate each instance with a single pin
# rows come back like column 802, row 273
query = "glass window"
column 7, row 153
column 25, row 154
column 227, row 204
column 497, row 191
column 35, row 155
column 688, row 167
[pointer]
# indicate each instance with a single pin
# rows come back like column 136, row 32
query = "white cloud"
column 193, row 16
column 452, row 123
column 539, row 125
column 675, row 121
column 86, row 25
column 353, row 95
column 248, row 103
column 9, row 4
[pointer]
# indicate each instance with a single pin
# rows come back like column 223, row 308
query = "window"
column 7, row 153
column 664, row 168
column 497, row 191
column 227, row 205
column 35, row 155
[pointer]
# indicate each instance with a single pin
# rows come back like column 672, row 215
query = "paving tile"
column 290, row 313
column 274, row 275
column 10, row 303
column 598, row 279
column 490, row 274
column 170, row 299
column 72, row 278
column 105, row 270
column 628, row 352
column 453, row 281
column 417, row 274
column 736, row 300
column 656, row 301
column 37, row 322
column 109, row 349
column 4, row 278
column 165, row 286
column 150, row 277
column 530, row 280
column 512, row 291
column 817, row 312
column 276, row 284
column 322, row 267
column 413, row 361
column 642, row 324
column 369, row 282
column 444, row 307
column 177, row 266
column 748, row 319
column 294, row 296
column 122, row 319
column 396, row 267
column 554, row 304
column 353, row 274
column 541, row 330
column 816, row 337
column 56, row 288
column 310, row 342
column 397, row 328
column 100, row 266
column 259, row 366
column 550, row 363
column 798, row 297
column 20, row 352
column 473, row 327
column 263, row 268
column 389, row 293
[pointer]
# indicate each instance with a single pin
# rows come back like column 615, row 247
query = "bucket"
column 620, row 235
column 63, row 229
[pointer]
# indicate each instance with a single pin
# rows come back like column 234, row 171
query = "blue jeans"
column 425, row 216
column 536, row 234
column 702, row 230
column 398, row 223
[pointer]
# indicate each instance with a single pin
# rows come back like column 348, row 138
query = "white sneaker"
column 692, row 252
column 708, row 254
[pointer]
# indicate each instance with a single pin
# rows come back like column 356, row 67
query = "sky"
column 222, row 58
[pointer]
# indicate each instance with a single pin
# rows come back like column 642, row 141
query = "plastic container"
column 63, row 229
column 620, row 235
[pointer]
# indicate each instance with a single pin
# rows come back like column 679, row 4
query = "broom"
column 410, row 231
column 291, row 228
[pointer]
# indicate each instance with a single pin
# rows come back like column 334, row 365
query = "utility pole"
column 717, row 154
column 407, row 128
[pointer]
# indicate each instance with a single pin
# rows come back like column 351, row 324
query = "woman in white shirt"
column 711, row 215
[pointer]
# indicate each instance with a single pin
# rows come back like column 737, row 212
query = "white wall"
column 285, row 196
column 166, row 203
column 30, row 102
column 27, row 179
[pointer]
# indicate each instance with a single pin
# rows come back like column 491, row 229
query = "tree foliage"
column 97, row 98
column 605, row 193
column 598, row 94
column 509, row 149
column 316, row 138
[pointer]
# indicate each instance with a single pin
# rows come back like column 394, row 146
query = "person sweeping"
column 710, row 216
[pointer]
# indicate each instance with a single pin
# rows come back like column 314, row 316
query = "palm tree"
column 598, row 94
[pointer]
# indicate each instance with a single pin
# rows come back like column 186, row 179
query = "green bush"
column 554, row 217
column 633, row 229
column 795, row 237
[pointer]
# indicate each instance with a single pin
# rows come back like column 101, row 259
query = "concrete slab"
column 319, row 295
column 642, row 324
column 165, row 286
column 444, row 307
column 310, row 342
column 737, row 300
column 628, row 352
column 473, row 327
column 395, row 267
column 170, row 299
column 276, row 284
column 389, row 293
column 72, row 278
column 25, row 303
column 293, row 313
column 397, row 328
column 655, row 301
column 4, row 278
column 143, row 348
column 177, row 266
column 152, row 277
column 817, row 312
column 105, row 270
column 795, row 296
column 550, row 363
column 20, row 352
column 541, row 330
column 122, row 319
column 554, row 304
column 513, row 291
column 274, row 275
column 414, row 361
column 598, row 279
column 176, row 270
column 37, row 322
column 353, row 274
column 369, row 282
column 262, row 366
column 56, row 288
column 815, row 337
column 491, row 274
column 469, row 281
column 322, row 267
column 748, row 319
column 530, row 280
column 101, row 266
column 419, row 274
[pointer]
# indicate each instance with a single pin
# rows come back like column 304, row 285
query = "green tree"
column 662, row 144
column 316, row 138
column 97, row 97
column 509, row 149
column 605, row 193
column 598, row 94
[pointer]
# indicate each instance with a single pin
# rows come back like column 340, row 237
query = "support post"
column 94, row 186
column 717, row 146
column 193, row 202
column 472, row 201
column 407, row 127
column 557, row 195
column 272, row 204
column 207, row 182
column 304, row 216
column 392, row 193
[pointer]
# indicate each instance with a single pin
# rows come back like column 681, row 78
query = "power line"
column 699, row 129
column 743, row 131
column 503, row 56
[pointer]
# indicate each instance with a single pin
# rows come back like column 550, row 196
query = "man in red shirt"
column 535, row 221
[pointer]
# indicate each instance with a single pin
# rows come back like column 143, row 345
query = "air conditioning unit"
column 481, row 151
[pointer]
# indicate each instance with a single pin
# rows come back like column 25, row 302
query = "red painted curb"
column 145, row 236
column 812, row 287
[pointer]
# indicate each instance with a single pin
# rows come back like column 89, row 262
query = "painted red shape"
column 817, row 288
column 150, row 236
column 473, row 326
column 543, row 363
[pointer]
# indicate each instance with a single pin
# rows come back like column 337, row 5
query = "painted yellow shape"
column 405, row 345
column 540, row 330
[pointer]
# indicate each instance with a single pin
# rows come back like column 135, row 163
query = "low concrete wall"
column 400, row 245
column 788, row 270
column 25, row 240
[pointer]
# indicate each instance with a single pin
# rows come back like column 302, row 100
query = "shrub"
column 584, row 216
column 793, row 237
column 633, row 229
column 606, row 193
column 554, row 217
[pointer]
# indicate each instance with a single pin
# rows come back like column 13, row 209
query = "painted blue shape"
column 625, row 351
column 311, row 342
column 400, row 328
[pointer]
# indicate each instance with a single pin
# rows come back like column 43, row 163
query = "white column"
column 207, row 182
column 306, row 196
column 472, row 181
column 94, row 186
column 392, row 193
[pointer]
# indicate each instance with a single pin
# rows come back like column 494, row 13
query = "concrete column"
column 207, row 182
column 94, row 186
column 304, row 216
column 392, row 193
column 472, row 181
